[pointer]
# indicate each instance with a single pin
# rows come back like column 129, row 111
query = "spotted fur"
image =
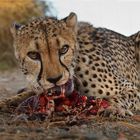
column 105, row 63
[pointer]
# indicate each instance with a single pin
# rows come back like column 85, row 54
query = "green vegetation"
column 19, row 11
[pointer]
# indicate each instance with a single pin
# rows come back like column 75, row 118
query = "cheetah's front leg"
column 15, row 100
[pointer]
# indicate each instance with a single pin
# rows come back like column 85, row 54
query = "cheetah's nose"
column 54, row 79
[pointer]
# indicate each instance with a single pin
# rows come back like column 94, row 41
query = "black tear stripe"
column 64, row 66
column 40, row 73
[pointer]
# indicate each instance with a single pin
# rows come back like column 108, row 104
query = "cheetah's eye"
column 64, row 49
column 34, row 55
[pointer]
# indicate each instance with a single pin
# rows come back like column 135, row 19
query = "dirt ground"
column 93, row 129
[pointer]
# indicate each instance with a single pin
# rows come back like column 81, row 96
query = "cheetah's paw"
column 115, row 112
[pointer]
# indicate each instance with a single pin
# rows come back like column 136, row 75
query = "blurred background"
column 119, row 15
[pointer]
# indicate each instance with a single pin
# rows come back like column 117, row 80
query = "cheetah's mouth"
column 68, row 87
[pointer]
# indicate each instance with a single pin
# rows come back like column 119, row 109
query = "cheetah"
column 101, row 63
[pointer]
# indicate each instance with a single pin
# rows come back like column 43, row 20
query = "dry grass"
column 11, row 11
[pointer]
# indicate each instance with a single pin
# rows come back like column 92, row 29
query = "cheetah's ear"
column 71, row 21
column 14, row 29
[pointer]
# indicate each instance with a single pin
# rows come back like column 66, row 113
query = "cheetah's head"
column 45, row 49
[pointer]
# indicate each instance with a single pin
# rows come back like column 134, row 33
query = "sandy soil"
column 58, row 129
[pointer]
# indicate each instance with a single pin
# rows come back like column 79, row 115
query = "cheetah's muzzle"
column 68, row 87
